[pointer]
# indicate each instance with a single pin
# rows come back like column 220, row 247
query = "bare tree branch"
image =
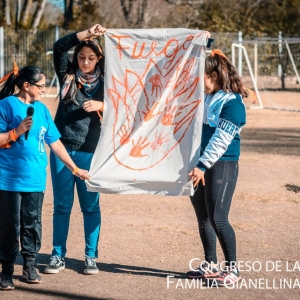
column 5, row 13
column 126, row 11
column 142, row 8
column 38, row 13
column 25, row 12
column 68, row 12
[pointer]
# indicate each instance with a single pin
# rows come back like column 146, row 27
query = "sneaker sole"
column 91, row 272
column 36, row 281
column 209, row 276
column 8, row 288
column 53, row 271
column 229, row 283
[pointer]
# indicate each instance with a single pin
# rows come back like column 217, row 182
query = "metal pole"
column 252, row 76
column 251, row 73
column 233, row 54
column 255, row 62
column 280, row 52
column 293, row 63
column 56, row 38
column 240, row 63
column 55, row 78
column 1, row 52
column 56, row 33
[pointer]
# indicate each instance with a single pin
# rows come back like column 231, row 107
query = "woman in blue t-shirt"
column 25, row 126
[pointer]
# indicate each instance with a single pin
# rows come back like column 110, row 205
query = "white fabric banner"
column 153, row 105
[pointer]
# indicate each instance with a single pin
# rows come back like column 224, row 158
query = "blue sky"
column 58, row 3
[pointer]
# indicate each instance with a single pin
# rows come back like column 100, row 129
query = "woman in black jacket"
column 78, row 121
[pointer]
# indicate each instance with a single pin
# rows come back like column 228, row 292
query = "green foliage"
column 251, row 17
column 85, row 14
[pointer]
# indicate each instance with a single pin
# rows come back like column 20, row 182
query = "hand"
column 93, row 105
column 197, row 175
column 82, row 174
column 97, row 30
column 25, row 125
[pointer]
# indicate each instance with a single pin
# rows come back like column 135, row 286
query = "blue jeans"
column 63, row 182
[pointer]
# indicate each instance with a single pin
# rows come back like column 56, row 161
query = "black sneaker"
column 6, row 283
column 30, row 274
column 90, row 266
column 205, row 271
column 56, row 264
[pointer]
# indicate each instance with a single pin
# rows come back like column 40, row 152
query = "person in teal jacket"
column 216, row 173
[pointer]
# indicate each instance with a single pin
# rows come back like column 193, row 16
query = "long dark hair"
column 228, row 78
column 97, row 48
column 30, row 74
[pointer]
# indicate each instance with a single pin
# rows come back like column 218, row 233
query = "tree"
column 80, row 14
column 134, row 12
column 5, row 18
column 18, row 13
column 68, row 15
column 184, row 13
column 25, row 14
column 38, row 14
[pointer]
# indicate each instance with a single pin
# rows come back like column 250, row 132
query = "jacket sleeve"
column 231, row 120
column 61, row 56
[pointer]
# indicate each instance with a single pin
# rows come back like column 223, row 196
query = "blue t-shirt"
column 23, row 165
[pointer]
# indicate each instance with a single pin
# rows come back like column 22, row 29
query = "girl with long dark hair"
column 25, row 126
column 78, row 119
column 217, row 171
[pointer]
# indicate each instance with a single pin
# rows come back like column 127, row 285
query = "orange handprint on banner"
column 159, row 97
column 159, row 141
column 169, row 115
column 124, row 135
column 137, row 149
column 156, row 84
column 149, row 113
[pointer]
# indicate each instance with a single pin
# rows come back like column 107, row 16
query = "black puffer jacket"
column 79, row 129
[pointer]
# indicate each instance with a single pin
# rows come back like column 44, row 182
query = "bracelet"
column 75, row 170
column 89, row 31
column 13, row 135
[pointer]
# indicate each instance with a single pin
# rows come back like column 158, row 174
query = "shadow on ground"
column 77, row 266
column 29, row 289
column 284, row 141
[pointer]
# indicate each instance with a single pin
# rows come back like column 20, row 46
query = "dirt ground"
column 145, row 239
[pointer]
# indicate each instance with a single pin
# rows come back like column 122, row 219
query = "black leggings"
column 212, row 203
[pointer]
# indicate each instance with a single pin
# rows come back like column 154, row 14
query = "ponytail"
column 17, row 78
column 8, row 87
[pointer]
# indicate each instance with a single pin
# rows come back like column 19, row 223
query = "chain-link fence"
column 30, row 48
column 35, row 48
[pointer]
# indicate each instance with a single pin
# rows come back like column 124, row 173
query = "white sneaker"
column 56, row 264
column 228, row 277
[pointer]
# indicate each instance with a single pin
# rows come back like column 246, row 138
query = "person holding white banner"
column 78, row 121
column 215, row 175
